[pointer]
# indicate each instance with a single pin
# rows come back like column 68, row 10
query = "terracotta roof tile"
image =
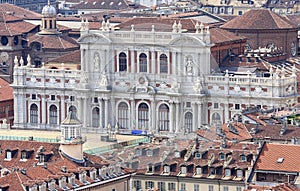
column 19, row 12
column 252, row 20
column 271, row 153
column 6, row 92
column 54, row 41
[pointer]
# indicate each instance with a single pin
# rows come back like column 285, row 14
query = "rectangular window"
column 137, row 184
column 33, row 96
column 239, row 173
column 225, row 188
column 182, row 187
column 198, row 170
column 196, row 187
column 72, row 98
column 24, row 155
column 216, row 105
column 188, row 104
column 238, row 188
column 183, row 170
column 210, row 187
column 237, row 106
column 166, row 169
column 52, row 97
column 161, row 186
column 171, row 186
column 227, row 172
column 149, row 184
column 95, row 100
column 8, row 155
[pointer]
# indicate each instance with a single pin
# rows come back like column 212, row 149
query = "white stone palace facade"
column 143, row 80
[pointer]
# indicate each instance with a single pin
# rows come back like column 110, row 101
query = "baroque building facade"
column 155, row 81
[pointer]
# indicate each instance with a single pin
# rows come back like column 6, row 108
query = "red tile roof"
column 6, row 92
column 252, row 20
column 19, row 12
column 54, row 41
column 272, row 153
column 11, row 25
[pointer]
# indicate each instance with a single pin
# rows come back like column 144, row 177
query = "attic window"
column 280, row 160
column 94, row 3
column 8, row 155
column 150, row 168
column 198, row 170
column 222, row 156
column 166, row 169
column 111, row 3
column 103, row 3
column 138, row 152
column 149, row 153
column 243, row 158
column 198, row 156
column 24, row 155
column 183, row 170
column 120, row 3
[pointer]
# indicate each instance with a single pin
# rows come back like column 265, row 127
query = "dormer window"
column 243, row 158
column 149, row 152
column 24, row 155
column 8, row 155
column 41, row 158
column 33, row 188
column 93, row 175
column 198, row 155
column 51, row 185
column 138, row 152
column 150, row 168
column 42, row 187
column 166, row 169
column 82, row 177
column 227, row 172
column 63, row 183
column 222, row 156
column 212, row 170
column 183, row 169
column 176, row 154
column 198, row 170
column 239, row 173
column 71, row 180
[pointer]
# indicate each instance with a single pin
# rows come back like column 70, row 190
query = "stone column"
column 132, row 115
column 132, row 61
column 171, row 117
column 43, row 108
column 200, row 105
column 16, row 109
column 80, row 114
column 62, row 108
column 101, row 113
column 173, row 65
column 153, row 62
column 105, row 112
column 194, row 114
column 226, row 108
column 153, row 119
column 85, row 115
column 177, row 117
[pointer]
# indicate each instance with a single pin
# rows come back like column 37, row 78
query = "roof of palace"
column 62, row 42
column 6, row 92
column 251, row 20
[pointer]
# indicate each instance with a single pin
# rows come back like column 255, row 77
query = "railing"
column 18, row 138
column 125, row 144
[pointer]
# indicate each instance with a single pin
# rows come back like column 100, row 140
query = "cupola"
column 71, row 138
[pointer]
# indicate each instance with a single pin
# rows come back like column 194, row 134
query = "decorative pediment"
column 94, row 38
column 187, row 41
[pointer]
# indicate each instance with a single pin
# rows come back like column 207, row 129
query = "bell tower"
column 71, row 144
column 48, row 25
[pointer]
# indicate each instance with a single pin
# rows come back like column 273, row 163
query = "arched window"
column 50, row 24
column 163, row 117
column 122, row 62
column 96, row 117
column 143, row 62
column 163, row 61
column 34, row 113
column 73, row 109
column 188, row 122
column 216, row 118
column 53, row 115
column 143, row 116
column 123, row 115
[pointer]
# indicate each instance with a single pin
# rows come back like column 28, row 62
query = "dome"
column 49, row 11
